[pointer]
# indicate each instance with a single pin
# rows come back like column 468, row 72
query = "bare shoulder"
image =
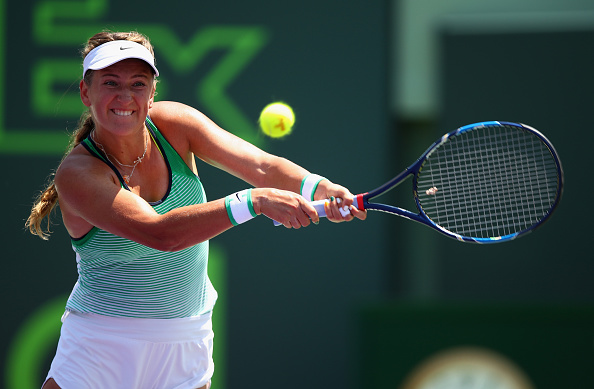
column 185, row 127
column 166, row 110
column 171, row 113
column 72, row 165
column 82, row 179
column 177, row 122
column 79, row 169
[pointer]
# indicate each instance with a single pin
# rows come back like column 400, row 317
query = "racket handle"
column 319, row 206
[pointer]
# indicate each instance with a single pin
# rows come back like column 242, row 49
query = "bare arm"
column 90, row 193
column 195, row 134
column 209, row 142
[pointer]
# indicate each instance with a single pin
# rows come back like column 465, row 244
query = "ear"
column 84, row 93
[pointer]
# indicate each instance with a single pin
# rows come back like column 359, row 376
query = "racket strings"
column 490, row 182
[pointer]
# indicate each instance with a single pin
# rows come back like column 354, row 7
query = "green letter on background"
column 70, row 23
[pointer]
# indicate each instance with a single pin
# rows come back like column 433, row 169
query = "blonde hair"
column 48, row 199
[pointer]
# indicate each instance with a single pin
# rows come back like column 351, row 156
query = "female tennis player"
column 130, row 197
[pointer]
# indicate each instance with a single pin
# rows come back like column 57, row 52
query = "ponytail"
column 48, row 199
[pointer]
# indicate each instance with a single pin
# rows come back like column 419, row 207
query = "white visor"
column 115, row 51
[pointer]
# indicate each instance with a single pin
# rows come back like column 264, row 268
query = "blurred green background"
column 373, row 83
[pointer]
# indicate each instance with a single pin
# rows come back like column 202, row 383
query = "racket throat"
column 398, row 212
column 359, row 202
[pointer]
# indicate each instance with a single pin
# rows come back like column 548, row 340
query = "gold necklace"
column 138, row 160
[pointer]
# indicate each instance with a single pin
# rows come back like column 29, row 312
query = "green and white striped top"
column 119, row 277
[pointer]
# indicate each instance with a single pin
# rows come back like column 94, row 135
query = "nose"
column 125, row 95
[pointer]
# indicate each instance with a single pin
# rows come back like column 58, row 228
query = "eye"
column 110, row 83
column 139, row 84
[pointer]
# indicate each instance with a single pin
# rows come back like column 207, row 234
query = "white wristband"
column 309, row 185
column 240, row 207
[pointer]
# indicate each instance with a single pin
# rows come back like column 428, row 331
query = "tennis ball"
column 277, row 120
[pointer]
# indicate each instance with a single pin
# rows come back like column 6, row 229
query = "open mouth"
column 120, row 112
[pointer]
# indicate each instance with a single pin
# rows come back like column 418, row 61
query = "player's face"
column 120, row 96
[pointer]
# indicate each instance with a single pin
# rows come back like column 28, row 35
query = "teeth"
column 122, row 113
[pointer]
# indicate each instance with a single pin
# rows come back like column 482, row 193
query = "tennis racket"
column 486, row 182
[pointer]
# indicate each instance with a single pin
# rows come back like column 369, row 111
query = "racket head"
column 488, row 182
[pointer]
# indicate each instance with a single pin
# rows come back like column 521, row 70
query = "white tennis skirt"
column 97, row 351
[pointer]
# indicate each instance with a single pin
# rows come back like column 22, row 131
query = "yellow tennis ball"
column 277, row 120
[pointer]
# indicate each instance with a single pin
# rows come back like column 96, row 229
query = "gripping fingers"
column 336, row 211
column 344, row 211
column 295, row 223
column 333, row 204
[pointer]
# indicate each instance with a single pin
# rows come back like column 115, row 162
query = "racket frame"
column 362, row 201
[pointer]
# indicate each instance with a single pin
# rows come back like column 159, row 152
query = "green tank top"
column 119, row 277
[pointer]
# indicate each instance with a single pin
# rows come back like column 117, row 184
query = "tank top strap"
column 97, row 153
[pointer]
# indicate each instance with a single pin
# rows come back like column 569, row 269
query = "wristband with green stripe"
column 309, row 185
column 240, row 207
